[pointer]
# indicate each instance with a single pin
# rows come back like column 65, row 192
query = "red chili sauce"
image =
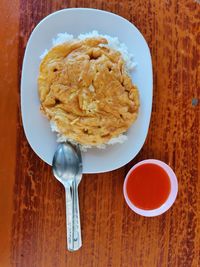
column 148, row 186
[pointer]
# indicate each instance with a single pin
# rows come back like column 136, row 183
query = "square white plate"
column 76, row 21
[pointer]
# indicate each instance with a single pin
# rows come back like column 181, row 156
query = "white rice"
column 114, row 43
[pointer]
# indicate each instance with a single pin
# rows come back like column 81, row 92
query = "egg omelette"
column 85, row 89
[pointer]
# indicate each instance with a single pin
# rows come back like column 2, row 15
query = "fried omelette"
column 85, row 90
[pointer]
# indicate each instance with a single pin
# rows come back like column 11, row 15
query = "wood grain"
column 32, row 218
column 9, row 39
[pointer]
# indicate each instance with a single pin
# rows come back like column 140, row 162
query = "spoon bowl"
column 66, row 163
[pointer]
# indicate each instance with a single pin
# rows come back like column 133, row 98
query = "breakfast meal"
column 86, row 91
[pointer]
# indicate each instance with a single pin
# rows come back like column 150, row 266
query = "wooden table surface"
column 32, row 202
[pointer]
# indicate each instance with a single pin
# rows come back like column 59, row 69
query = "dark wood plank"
column 112, row 234
column 9, row 35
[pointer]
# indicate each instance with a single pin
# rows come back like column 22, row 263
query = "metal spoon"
column 67, row 168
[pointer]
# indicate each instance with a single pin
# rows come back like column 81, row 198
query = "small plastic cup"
column 172, row 195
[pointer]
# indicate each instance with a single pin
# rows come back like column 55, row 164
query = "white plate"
column 76, row 21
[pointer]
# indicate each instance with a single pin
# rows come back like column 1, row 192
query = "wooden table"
column 32, row 203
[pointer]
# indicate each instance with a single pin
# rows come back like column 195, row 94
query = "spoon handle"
column 74, row 241
column 68, row 195
column 76, row 217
